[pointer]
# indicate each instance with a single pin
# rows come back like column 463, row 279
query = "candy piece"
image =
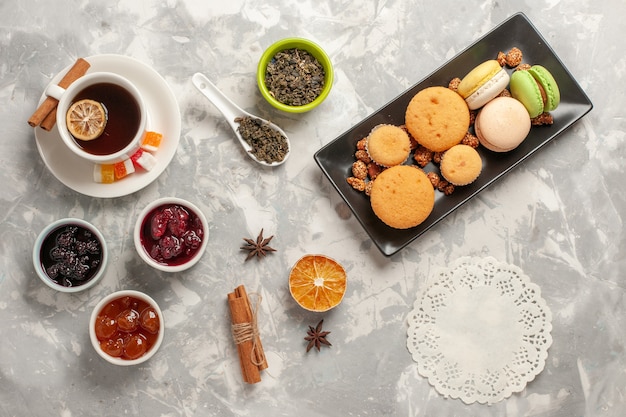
column 151, row 141
column 143, row 160
column 123, row 168
column 104, row 173
column 109, row 173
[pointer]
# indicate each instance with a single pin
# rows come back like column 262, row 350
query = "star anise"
column 259, row 247
column 316, row 337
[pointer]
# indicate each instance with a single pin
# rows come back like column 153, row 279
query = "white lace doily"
column 481, row 331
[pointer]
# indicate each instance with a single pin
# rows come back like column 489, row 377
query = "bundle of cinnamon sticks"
column 246, row 335
column 45, row 115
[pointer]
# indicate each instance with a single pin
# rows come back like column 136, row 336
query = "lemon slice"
column 86, row 119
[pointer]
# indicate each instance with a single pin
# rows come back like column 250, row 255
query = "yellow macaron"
column 483, row 83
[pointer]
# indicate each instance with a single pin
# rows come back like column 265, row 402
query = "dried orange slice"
column 86, row 119
column 317, row 282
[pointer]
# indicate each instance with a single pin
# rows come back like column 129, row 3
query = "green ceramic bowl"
column 289, row 43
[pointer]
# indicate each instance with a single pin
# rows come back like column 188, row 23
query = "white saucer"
column 164, row 117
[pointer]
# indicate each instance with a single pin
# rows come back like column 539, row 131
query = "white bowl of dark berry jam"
column 126, row 327
column 171, row 234
column 70, row 255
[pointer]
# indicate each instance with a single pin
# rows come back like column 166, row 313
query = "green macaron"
column 549, row 85
column 536, row 89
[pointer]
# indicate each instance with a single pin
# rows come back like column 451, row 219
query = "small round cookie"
column 388, row 145
column 402, row 196
column 461, row 165
column 438, row 118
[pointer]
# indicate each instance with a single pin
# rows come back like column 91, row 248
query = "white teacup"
column 126, row 124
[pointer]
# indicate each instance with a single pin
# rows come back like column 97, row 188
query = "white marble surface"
column 558, row 216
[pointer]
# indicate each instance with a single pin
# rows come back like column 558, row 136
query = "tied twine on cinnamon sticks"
column 246, row 334
column 45, row 115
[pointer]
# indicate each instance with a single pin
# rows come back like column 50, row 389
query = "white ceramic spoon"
column 231, row 111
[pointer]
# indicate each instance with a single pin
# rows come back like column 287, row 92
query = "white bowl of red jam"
column 171, row 234
column 126, row 328
column 70, row 255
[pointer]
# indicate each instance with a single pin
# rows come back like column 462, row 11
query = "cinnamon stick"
column 49, row 105
column 249, row 371
column 251, row 357
column 259, row 354
column 50, row 120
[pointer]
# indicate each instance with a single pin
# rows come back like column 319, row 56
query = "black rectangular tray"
column 336, row 158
